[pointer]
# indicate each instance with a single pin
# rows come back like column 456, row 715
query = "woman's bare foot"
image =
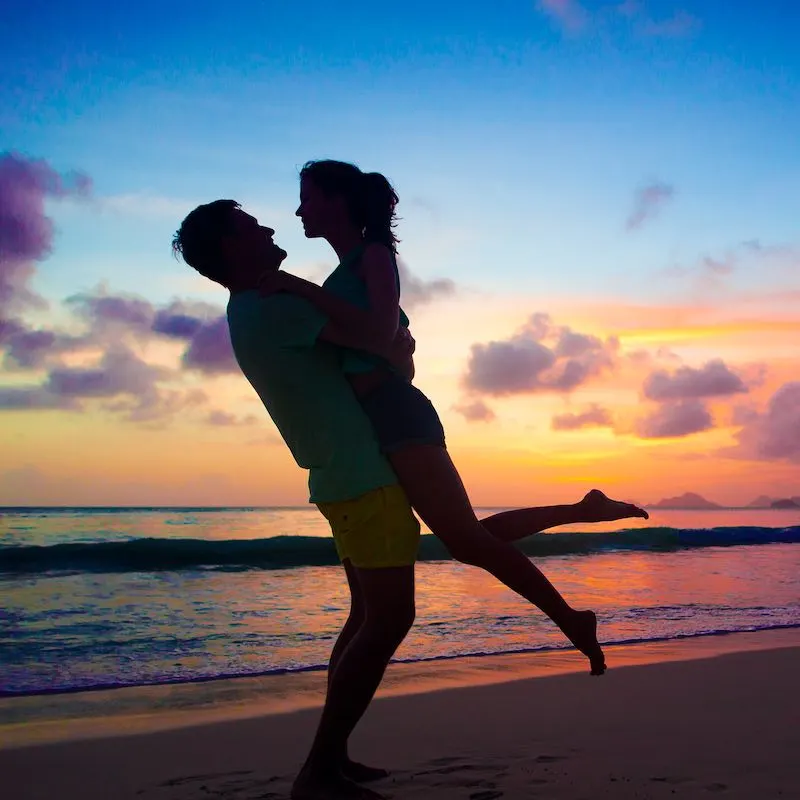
column 600, row 508
column 582, row 632
column 329, row 786
column 361, row 773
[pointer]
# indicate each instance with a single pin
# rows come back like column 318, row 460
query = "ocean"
column 107, row 597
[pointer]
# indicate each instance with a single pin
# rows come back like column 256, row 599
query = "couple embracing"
column 333, row 366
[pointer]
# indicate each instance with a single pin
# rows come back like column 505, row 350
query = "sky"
column 599, row 232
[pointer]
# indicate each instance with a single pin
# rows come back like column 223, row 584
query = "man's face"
column 250, row 245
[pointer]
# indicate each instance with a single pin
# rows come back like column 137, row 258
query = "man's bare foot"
column 600, row 508
column 361, row 773
column 330, row 786
column 582, row 632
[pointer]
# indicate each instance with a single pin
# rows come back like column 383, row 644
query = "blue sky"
column 516, row 144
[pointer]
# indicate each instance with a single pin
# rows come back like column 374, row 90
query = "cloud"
column 477, row 411
column 210, row 348
column 416, row 292
column 105, row 313
column 594, row 416
column 567, row 14
column 675, row 419
column 648, row 202
column 775, row 433
column 226, row 419
column 26, row 233
column 27, row 348
column 713, row 379
column 540, row 357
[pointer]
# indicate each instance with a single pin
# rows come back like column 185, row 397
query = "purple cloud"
column 26, row 233
column 210, row 348
column 119, row 372
column 416, row 292
column 475, row 412
column 673, row 420
column 775, row 433
column 648, row 203
column 594, row 416
column 226, row 419
column 27, row 398
column 540, row 357
column 103, row 311
column 713, row 379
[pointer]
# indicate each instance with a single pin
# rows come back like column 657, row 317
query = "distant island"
column 761, row 502
column 692, row 501
column 688, row 500
column 789, row 502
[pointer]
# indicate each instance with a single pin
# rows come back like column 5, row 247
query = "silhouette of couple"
column 333, row 365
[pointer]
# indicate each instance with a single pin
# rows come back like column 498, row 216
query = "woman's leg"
column 437, row 494
column 595, row 507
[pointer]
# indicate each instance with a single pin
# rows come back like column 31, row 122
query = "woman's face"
column 317, row 212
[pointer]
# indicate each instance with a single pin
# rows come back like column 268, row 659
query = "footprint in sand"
column 208, row 777
column 549, row 759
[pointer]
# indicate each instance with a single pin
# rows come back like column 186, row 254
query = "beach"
column 702, row 717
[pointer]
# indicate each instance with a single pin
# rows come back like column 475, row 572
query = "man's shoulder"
column 287, row 320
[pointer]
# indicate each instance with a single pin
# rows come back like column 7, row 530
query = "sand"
column 709, row 717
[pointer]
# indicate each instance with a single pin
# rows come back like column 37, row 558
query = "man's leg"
column 510, row 526
column 388, row 599
column 352, row 769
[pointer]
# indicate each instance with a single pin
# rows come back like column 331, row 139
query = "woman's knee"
column 466, row 545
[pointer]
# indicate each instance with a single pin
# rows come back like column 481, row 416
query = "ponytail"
column 379, row 203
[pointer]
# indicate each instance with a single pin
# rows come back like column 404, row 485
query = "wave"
column 94, row 685
column 286, row 552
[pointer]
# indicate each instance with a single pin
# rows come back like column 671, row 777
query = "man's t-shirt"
column 301, row 384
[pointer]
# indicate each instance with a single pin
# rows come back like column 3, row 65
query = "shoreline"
column 85, row 715
column 681, row 721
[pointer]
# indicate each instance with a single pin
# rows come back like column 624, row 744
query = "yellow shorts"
column 377, row 529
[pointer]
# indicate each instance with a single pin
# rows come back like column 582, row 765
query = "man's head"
column 227, row 245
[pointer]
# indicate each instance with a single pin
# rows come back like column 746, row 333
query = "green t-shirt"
column 301, row 384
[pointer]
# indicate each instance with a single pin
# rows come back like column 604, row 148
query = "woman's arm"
column 369, row 329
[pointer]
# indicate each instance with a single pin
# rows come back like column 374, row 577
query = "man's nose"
column 267, row 230
column 297, row 213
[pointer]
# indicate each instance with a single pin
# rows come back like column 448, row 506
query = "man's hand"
column 401, row 351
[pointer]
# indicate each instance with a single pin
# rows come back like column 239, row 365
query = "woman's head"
column 335, row 194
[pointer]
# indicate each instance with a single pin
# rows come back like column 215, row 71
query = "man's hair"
column 199, row 238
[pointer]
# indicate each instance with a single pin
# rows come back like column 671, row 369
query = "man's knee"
column 391, row 623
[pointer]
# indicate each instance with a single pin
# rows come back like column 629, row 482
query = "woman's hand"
column 274, row 281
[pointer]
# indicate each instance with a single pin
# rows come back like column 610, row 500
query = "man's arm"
column 399, row 353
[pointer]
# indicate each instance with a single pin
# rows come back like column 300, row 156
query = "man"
column 284, row 347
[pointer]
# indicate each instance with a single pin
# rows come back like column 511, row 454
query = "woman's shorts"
column 401, row 415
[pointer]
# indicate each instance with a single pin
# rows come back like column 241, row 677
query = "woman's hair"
column 199, row 238
column 369, row 197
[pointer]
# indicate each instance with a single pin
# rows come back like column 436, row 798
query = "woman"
column 355, row 213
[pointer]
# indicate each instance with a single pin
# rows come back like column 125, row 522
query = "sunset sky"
column 600, row 225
